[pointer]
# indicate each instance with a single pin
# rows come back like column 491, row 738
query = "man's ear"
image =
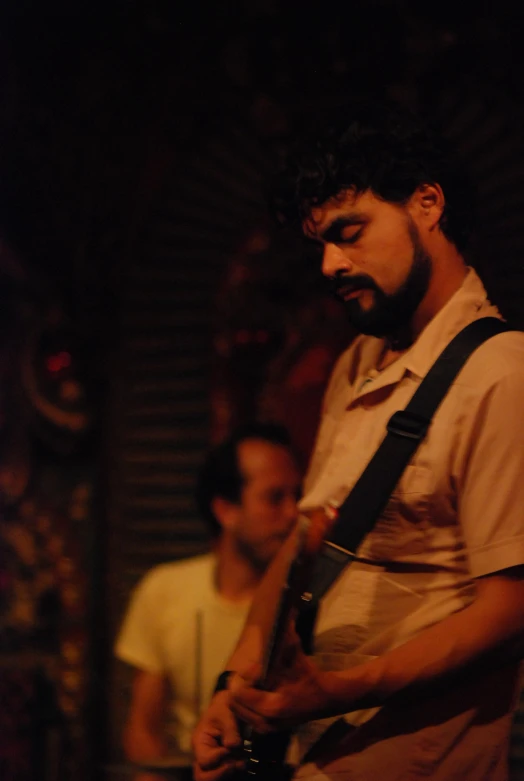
column 225, row 512
column 426, row 205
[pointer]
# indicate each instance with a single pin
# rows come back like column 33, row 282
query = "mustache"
column 342, row 284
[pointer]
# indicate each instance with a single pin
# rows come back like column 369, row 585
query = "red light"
column 55, row 363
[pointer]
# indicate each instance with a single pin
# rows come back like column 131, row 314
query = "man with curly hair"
column 417, row 644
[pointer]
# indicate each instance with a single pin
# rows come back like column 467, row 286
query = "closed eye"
column 352, row 239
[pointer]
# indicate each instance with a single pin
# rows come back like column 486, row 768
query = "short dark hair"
column 378, row 146
column 220, row 475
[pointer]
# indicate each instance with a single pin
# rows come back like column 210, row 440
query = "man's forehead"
column 256, row 454
column 346, row 202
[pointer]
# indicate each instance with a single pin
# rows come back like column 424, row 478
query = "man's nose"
column 334, row 260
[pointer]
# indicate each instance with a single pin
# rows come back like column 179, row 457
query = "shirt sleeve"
column 138, row 640
column 491, row 494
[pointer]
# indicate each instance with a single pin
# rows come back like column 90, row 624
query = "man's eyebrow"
column 334, row 231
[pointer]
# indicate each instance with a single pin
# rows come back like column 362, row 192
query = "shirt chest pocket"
column 417, row 481
column 401, row 529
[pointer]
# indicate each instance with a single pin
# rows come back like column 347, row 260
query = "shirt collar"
column 468, row 303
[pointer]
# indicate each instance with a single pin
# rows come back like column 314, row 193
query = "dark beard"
column 248, row 552
column 390, row 313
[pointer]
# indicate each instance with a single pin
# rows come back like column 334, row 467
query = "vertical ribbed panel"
column 160, row 409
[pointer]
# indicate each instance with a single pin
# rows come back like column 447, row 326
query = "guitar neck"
column 291, row 590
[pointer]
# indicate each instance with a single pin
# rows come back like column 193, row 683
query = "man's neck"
column 447, row 279
column 449, row 272
column 236, row 578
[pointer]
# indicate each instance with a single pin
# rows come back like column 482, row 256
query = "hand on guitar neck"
column 270, row 667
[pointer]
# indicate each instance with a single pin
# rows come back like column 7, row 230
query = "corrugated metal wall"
column 160, row 408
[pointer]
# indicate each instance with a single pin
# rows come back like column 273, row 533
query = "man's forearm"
column 489, row 626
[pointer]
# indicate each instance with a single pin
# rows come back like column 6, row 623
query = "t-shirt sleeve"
column 138, row 640
column 491, row 496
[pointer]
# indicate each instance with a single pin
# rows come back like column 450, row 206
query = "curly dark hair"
column 376, row 146
column 220, row 474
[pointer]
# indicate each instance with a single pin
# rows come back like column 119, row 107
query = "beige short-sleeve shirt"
column 458, row 510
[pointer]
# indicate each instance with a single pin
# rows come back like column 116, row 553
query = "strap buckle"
column 408, row 424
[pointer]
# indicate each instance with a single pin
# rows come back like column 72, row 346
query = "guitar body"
column 286, row 600
column 265, row 757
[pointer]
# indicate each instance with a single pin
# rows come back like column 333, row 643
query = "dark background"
column 134, row 142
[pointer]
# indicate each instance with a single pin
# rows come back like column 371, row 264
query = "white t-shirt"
column 178, row 625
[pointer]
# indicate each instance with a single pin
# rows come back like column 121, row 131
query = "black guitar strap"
column 405, row 431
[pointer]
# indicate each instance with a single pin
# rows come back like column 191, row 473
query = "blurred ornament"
column 53, row 375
